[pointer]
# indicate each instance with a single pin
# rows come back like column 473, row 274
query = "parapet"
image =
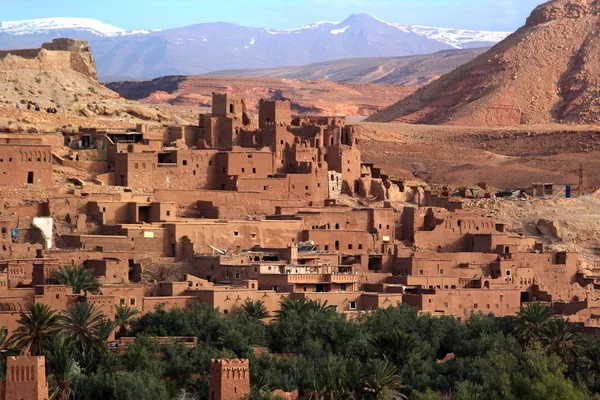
column 66, row 44
column 230, row 363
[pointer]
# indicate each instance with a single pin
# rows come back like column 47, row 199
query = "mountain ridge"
column 547, row 71
column 203, row 48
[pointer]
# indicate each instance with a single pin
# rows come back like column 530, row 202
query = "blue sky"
column 161, row 14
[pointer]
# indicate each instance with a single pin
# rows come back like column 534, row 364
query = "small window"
column 122, row 302
column 281, row 142
column 136, row 166
column 184, row 162
column 210, row 163
column 3, row 229
column 225, row 312
column 237, row 275
column 349, row 246
column 476, row 306
column 430, row 301
column 306, row 187
column 353, row 305
column 168, row 213
column 132, row 302
column 253, row 170
column 243, row 170
column 236, row 233
column 342, row 287
column 264, row 187
column 360, row 246
column 249, row 155
column 441, row 272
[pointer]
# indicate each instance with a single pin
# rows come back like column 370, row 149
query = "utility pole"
column 581, row 179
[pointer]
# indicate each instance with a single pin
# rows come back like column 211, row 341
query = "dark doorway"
column 30, row 177
column 524, row 297
column 375, row 264
column 144, row 214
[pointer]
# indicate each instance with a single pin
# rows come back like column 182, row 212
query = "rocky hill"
column 62, row 75
column 308, row 97
column 411, row 71
column 547, row 71
column 207, row 47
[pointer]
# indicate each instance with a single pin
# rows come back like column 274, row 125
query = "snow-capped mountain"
column 58, row 24
column 202, row 48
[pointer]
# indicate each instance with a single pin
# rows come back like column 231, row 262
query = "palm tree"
column 255, row 309
column 301, row 306
column 381, row 375
column 289, row 305
column 36, row 328
column 559, row 339
column 531, row 321
column 395, row 345
column 590, row 363
column 78, row 277
column 6, row 348
column 123, row 316
column 85, row 329
column 61, row 364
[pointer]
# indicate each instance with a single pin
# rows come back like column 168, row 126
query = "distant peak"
column 32, row 26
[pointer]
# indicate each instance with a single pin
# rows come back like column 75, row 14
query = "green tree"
column 61, row 366
column 37, row 326
column 85, row 330
column 78, row 277
column 298, row 306
column 590, row 363
column 121, row 385
column 560, row 340
column 531, row 321
column 7, row 349
column 380, row 375
column 255, row 309
column 123, row 316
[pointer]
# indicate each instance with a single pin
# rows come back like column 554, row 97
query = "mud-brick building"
column 284, row 158
column 229, row 379
column 25, row 162
column 25, row 379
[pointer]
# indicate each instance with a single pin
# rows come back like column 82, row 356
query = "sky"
column 496, row 15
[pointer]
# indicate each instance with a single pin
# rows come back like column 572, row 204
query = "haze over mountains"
column 209, row 47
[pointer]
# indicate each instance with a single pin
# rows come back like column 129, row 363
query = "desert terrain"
column 504, row 158
column 308, row 97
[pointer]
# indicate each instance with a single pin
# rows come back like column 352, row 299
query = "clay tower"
column 229, row 379
column 26, row 378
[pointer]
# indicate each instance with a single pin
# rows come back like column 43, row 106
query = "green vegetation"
column 78, row 277
column 389, row 353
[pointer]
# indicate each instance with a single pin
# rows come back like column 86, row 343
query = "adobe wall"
column 229, row 379
column 235, row 235
column 461, row 302
column 52, row 56
column 22, row 165
column 26, row 378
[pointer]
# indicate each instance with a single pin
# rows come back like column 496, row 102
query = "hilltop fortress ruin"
column 234, row 209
